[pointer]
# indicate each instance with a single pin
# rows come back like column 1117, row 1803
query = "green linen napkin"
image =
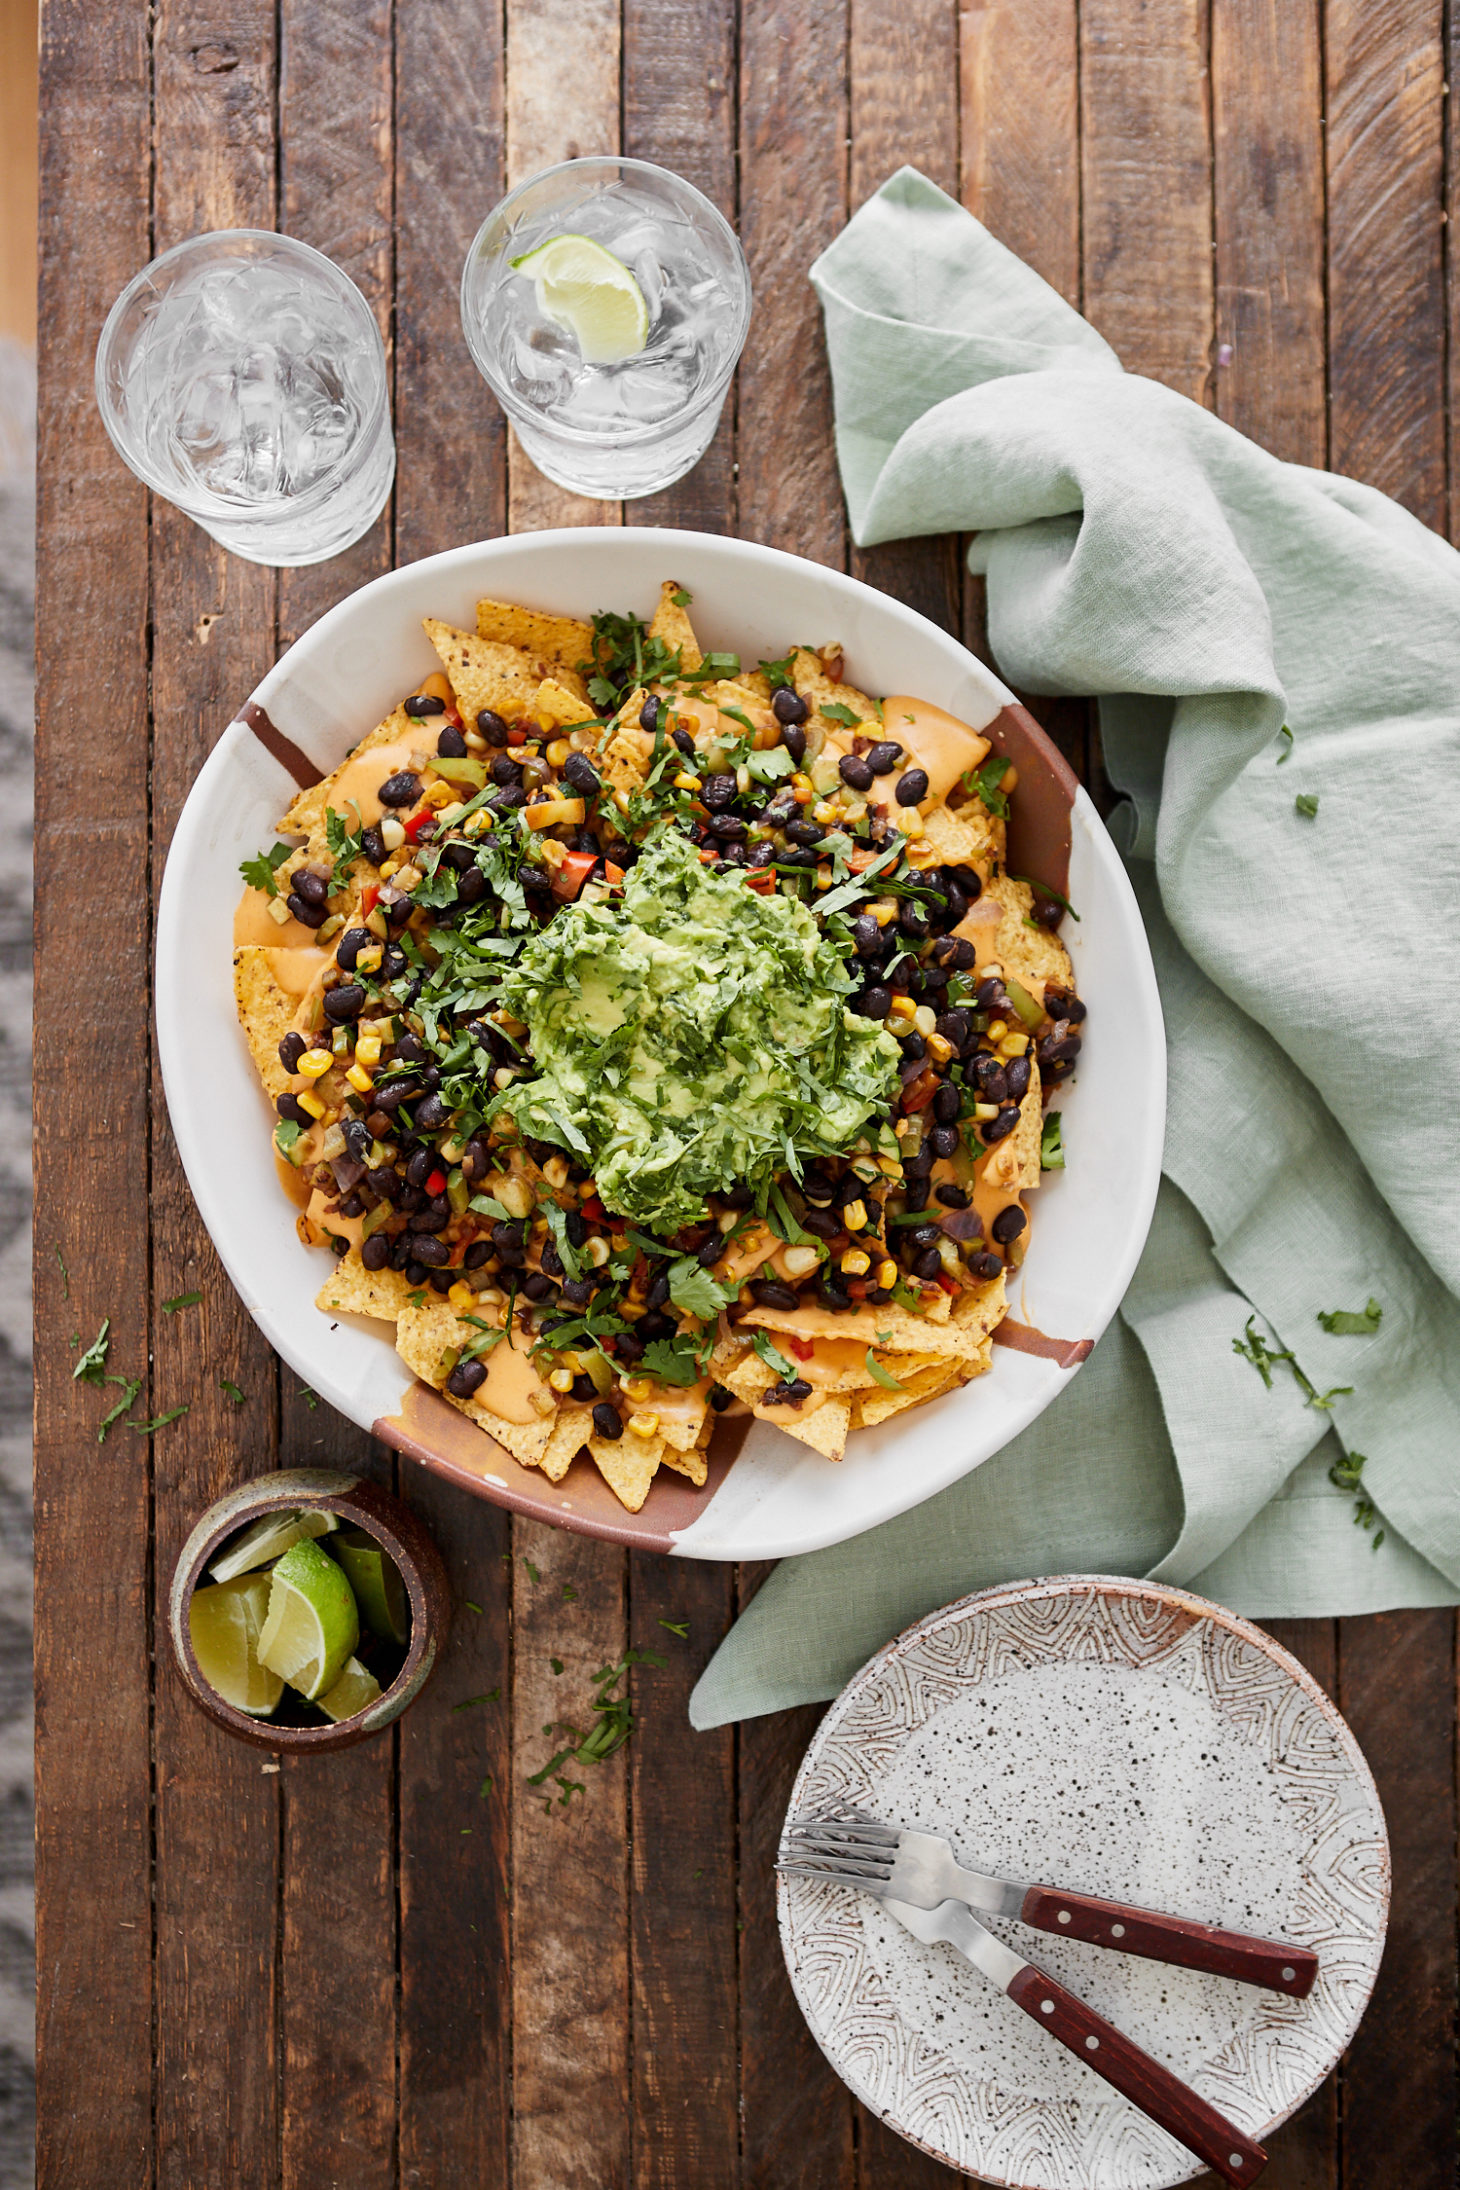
column 1302, row 896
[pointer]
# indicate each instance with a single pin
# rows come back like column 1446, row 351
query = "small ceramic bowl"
column 361, row 1504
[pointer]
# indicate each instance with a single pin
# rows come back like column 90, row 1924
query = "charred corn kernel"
column 375, row 922
column 279, row 911
column 996, row 1030
column 883, row 909
column 939, row 1048
column 476, row 824
column 359, row 1079
column 516, row 1197
column 800, row 1261
column 823, row 878
column 925, row 1019
column 503, row 1077
column 887, row 1275
column 643, row 1425
column 854, row 1215
column 621, row 801
column 984, row 1111
column 637, row 1387
column 742, row 778
column 922, row 852
column 597, row 1250
column 392, row 833
column 561, row 1380
column 1014, row 1045
column 367, row 1050
column 910, row 821
column 312, row 1104
column 438, row 795
column 855, row 1263
column 685, row 781
column 475, row 742
column 555, row 1171
column 557, row 752
column 491, row 1296
column 315, row 1063
column 451, row 814
column 391, row 865
column 461, row 1295
column 800, row 781
column 553, row 853
column 903, row 1008
column 508, row 1024
column 825, row 810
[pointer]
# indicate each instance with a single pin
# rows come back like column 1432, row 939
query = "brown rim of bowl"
column 364, row 1505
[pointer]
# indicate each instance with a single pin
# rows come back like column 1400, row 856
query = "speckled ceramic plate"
column 1122, row 1739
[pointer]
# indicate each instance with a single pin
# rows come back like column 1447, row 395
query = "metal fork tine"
column 872, row 1884
column 860, row 1828
column 837, row 1866
column 819, row 1837
column 840, row 1851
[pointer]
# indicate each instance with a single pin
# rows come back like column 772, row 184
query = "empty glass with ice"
column 606, row 302
column 242, row 376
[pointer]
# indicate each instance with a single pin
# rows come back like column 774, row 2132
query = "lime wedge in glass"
column 265, row 1538
column 353, row 1691
column 226, row 1621
column 379, row 1590
column 585, row 289
column 312, row 1624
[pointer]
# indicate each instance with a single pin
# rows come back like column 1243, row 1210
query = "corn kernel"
column 315, row 1063
column 597, row 1250
column 503, row 1077
column 855, row 1263
column 637, row 1387
column 910, row 821
column 392, row 833
column 904, row 1008
column 475, row 742
column 883, row 909
column 461, row 1295
column 312, row 1104
column 948, row 1254
column 561, row 1380
column 555, row 1171
column 685, row 781
column 940, row 1049
column 742, row 778
column 359, row 1079
column 984, row 1111
column 478, row 823
column 439, row 795
column 369, row 957
column 854, row 1215
column 922, row 852
column 804, row 798
column 643, row 1425
column 800, row 781
column 557, row 752
column 925, row 1019
column 391, row 866
column 800, row 1261
column 451, row 814
column 886, row 1275
column 279, row 911
column 997, row 1029
column 823, row 877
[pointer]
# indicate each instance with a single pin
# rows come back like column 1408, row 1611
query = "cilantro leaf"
column 778, row 673
column 436, row 890
column 1287, row 751
column 180, row 1300
column 884, row 1377
column 131, row 1386
column 286, row 1135
column 345, row 846
column 694, row 1290
column 91, row 1368
column 772, row 1356
column 984, row 780
column 681, row 597
column 1352, row 1322
column 1306, row 804
column 838, row 712
column 1051, row 1147
column 230, row 1390
column 259, row 873
column 670, row 1362
column 767, row 766
column 782, row 1220
column 557, row 1221
column 159, row 1421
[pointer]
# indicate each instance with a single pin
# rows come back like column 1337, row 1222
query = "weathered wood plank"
column 1020, row 131
column 1267, row 106
column 886, row 2161
column 570, row 1863
column 1397, row 2095
column 1146, row 187
column 93, row 1776
column 1386, row 310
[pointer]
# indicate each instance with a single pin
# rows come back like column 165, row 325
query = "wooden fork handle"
column 1270, row 1962
column 1182, row 2112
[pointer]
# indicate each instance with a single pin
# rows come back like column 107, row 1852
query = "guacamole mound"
column 690, row 1037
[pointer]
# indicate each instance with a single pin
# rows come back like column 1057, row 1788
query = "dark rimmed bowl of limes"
column 307, row 1610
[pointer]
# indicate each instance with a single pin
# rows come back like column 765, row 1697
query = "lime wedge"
column 225, row 1621
column 585, row 289
column 312, row 1624
column 353, row 1691
column 378, row 1588
column 266, row 1538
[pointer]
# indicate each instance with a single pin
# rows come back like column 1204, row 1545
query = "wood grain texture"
column 570, row 1873
column 1398, row 2094
column 886, row 2161
column 1267, row 109
column 93, row 1780
column 1145, row 156
column 1020, row 131
column 1386, row 313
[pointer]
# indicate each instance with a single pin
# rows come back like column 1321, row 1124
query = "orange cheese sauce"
column 254, row 923
column 938, row 742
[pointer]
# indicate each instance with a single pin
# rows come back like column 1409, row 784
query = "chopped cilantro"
column 65, row 1273
column 91, row 1368
column 159, row 1421
column 1346, row 1474
column 778, row 673
column 180, row 1300
column 884, row 1377
column 838, row 712
column 681, row 597
column 695, row 1290
column 286, row 1136
column 1352, row 1322
column 611, row 1724
column 671, row 1361
column 984, row 780
column 1044, row 889
column 557, row 1222
column 677, row 1627
column 1287, row 751
column 1264, row 1359
column 345, row 845
column 1051, row 1147
column 259, row 873
column 230, row 1390
column 131, row 1386
column 1306, row 804
column 772, row 1356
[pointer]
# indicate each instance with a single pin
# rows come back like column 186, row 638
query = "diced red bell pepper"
column 517, row 735
column 418, row 822
column 436, row 1182
column 708, row 857
column 802, row 1348
column 569, row 878
column 919, row 1092
column 949, row 1285
column 593, row 1209
column 611, row 873
column 369, row 898
column 858, row 1288
column 762, row 880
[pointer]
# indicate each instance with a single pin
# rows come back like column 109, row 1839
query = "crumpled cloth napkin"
column 1309, row 963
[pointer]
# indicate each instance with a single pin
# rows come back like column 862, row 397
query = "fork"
column 895, row 1863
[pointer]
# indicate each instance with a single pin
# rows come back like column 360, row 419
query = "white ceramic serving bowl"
column 328, row 691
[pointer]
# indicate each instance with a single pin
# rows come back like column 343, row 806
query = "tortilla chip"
column 969, row 836
column 671, row 624
column 880, row 1406
column 306, row 816
column 265, row 1012
column 825, row 1429
column 680, row 1432
column 623, row 754
column 739, row 692
column 809, row 676
column 422, row 1336
column 692, row 1463
column 628, row 1465
column 748, row 1377
column 561, row 642
column 571, row 1431
column 351, row 1289
column 1029, row 955
column 1029, row 1133
column 555, row 706
column 484, row 673
column 905, row 1333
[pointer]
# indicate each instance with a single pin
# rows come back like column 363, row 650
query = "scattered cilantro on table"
column 1264, row 1359
column 1346, row 1474
column 1352, row 1322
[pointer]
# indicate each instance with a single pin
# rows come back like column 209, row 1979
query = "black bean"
column 737, row 1197
column 854, row 772
column 420, row 1166
column 658, row 1292
column 816, row 1186
column 537, row 1287
column 506, row 770
column 623, row 855
column 350, row 945
column 771, row 1293
column 423, row 703
column 913, row 920
column 480, row 1251
column 465, row 1378
column 718, row 791
column 656, row 1325
column 729, row 828
column 357, row 1138
column 451, row 745
column 989, row 995
column 684, row 741
column 372, row 844
column 607, row 1421
column 822, row 1223
column 944, row 1140
column 927, row 1263
column 289, row 1106
column 1062, row 1003
column 393, row 964
column 577, row 1292
column 946, row 1104
column 492, row 727
column 1008, row 1224
column 628, row 1346
column 793, row 737
column 649, row 714
column 291, row 1049
column 805, row 832
column 955, row 1027
column 874, row 1003
column 431, row 1113
column 985, row 1265
column 990, row 1078
column 309, row 916
column 460, row 856
column 720, row 1399
column 967, row 879
column 917, row 1167
column 344, row 1003
column 509, row 1233
column 884, row 756
column 912, row 787
column 951, row 1196
column 709, row 1254
column 433, row 1215
column 913, row 1044
column 923, row 1235
column 954, row 952
column 310, row 886
column 1059, row 1048
column 787, row 1394
column 579, row 770
column 575, row 1224
column 401, row 789
column 1016, row 1078
column 375, row 1251
column 997, row 1129
column 434, row 1253
column 788, row 707
column 1046, row 912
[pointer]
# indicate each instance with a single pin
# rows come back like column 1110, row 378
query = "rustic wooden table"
column 390, row 1967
